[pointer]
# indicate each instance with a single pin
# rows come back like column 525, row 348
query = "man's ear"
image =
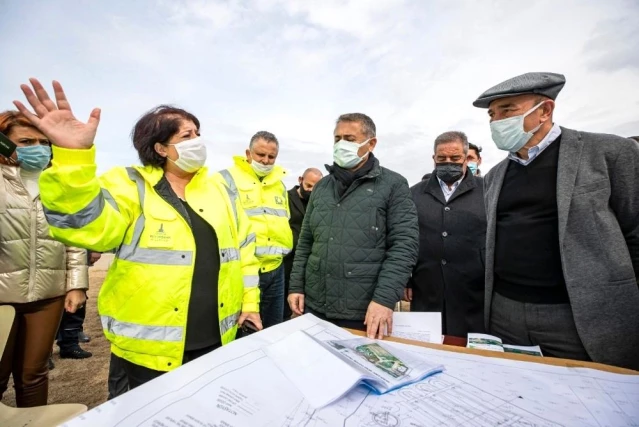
column 372, row 143
column 547, row 109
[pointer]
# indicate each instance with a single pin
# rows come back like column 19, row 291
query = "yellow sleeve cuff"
column 72, row 157
column 252, row 307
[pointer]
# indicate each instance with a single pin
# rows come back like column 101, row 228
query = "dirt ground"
column 85, row 381
column 82, row 381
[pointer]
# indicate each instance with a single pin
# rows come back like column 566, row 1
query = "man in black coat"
column 449, row 275
column 298, row 197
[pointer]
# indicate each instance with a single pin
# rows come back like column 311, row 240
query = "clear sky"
column 292, row 66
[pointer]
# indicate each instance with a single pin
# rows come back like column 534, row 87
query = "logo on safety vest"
column 160, row 237
column 279, row 200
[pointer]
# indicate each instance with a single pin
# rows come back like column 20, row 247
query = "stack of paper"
column 309, row 364
column 417, row 326
column 490, row 342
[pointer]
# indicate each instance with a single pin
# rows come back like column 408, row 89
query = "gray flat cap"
column 547, row 84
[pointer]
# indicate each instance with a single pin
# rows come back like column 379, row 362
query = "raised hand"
column 55, row 119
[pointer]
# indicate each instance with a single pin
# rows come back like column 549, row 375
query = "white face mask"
column 509, row 134
column 260, row 169
column 191, row 154
column 345, row 153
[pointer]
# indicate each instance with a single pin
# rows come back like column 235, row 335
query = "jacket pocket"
column 361, row 269
column 313, row 263
column 592, row 187
column 162, row 228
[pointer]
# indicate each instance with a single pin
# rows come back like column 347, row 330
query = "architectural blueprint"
column 239, row 385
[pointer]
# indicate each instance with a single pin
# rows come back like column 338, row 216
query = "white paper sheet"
column 307, row 364
column 424, row 327
column 238, row 385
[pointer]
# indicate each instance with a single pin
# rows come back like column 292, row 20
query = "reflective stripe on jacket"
column 143, row 302
column 265, row 202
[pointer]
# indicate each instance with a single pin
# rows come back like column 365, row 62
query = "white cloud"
column 291, row 67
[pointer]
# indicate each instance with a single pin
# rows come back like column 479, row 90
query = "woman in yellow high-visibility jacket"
column 185, row 274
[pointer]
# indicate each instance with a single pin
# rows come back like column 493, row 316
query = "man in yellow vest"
column 257, row 182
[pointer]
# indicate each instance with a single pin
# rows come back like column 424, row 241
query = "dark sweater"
column 203, row 329
column 527, row 257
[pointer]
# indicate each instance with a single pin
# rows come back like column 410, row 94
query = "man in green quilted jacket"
column 359, row 240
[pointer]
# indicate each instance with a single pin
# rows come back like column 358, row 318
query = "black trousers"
column 70, row 327
column 118, row 382
column 138, row 375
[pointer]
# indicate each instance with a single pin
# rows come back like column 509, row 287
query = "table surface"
column 458, row 345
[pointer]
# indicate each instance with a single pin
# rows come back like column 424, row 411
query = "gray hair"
column 368, row 126
column 452, row 136
column 266, row 136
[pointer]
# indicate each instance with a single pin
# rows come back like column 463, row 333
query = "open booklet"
column 490, row 342
column 326, row 371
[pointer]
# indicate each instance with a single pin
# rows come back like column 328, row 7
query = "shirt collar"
column 533, row 152
column 452, row 188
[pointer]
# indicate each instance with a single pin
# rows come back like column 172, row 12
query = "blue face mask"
column 34, row 157
column 509, row 134
column 473, row 167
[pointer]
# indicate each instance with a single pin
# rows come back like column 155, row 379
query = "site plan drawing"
column 238, row 385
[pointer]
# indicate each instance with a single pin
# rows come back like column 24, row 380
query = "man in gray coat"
column 562, row 247
column 359, row 239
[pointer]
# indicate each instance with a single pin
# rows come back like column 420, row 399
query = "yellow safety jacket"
column 143, row 303
column 265, row 202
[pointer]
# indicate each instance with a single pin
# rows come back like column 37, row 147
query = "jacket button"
column 338, row 205
column 169, row 363
column 328, row 275
column 330, row 238
column 175, row 309
column 446, row 208
column 183, row 256
column 444, row 234
column 201, row 210
column 349, row 273
column 221, row 304
column 444, row 262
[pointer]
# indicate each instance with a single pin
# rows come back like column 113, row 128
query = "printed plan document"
column 425, row 327
column 239, row 385
column 308, row 362
column 492, row 343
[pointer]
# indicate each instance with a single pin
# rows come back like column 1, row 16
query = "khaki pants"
column 27, row 351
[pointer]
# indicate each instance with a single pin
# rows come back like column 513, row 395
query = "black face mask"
column 449, row 172
column 304, row 194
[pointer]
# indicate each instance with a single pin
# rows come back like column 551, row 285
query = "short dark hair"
column 266, row 136
column 476, row 148
column 158, row 125
column 368, row 126
column 452, row 136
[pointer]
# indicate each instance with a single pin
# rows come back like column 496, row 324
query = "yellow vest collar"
column 277, row 174
column 152, row 174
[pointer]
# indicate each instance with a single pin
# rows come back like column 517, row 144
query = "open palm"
column 55, row 119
